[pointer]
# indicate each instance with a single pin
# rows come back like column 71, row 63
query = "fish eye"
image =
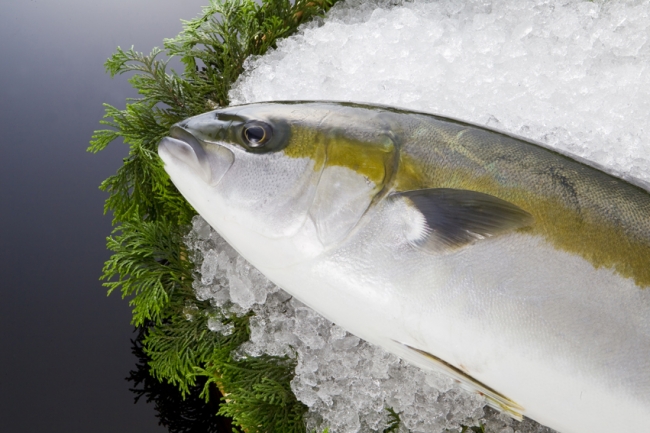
column 257, row 134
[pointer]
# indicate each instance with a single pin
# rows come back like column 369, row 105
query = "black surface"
column 65, row 347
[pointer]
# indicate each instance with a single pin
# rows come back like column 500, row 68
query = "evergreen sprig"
column 475, row 429
column 182, row 347
column 394, row 421
column 177, row 412
column 213, row 47
column 264, row 400
column 149, row 264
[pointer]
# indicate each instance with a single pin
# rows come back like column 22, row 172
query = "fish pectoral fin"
column 494, row 398
column 446, row 218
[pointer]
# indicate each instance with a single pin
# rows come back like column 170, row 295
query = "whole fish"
column 521, row 272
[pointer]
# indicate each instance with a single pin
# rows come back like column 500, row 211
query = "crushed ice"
column 566, row 73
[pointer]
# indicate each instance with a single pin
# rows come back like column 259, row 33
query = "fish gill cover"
column 566, row 73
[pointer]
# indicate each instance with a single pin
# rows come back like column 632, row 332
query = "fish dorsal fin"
column 494, row 398
column 448, row 218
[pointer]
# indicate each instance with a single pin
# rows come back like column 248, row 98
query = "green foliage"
column 259, row 396
column 140, row 189
column 214, row 49
column 475, row 429
column 149, row 264
column 393, row 421
column 264, row 399
column 178, row 413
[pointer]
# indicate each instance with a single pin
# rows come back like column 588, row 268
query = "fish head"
column 268, row 173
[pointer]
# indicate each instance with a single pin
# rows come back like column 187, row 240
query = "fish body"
column 521, row 272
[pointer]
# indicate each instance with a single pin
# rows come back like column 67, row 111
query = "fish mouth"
column 185, row 136
column 182, row 146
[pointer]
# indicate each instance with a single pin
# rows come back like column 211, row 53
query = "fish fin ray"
column 452, row 218
column 494, row 399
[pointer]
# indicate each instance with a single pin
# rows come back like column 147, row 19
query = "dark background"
column 64, row 346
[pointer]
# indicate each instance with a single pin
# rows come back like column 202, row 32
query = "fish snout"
column 182, row 147
column 180, row 133
column 209, row 161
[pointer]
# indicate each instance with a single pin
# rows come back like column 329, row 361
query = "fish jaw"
column 176, row 152
column 186, row 156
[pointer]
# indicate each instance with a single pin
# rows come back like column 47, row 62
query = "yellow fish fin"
column 493, row 397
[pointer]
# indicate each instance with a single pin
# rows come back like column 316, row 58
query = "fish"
column 520, row 271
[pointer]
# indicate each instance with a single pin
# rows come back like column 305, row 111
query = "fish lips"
column 209, row 161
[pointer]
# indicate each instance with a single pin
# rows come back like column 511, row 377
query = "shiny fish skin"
column 520, row 271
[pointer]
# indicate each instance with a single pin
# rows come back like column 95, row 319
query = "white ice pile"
column 570, row 74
